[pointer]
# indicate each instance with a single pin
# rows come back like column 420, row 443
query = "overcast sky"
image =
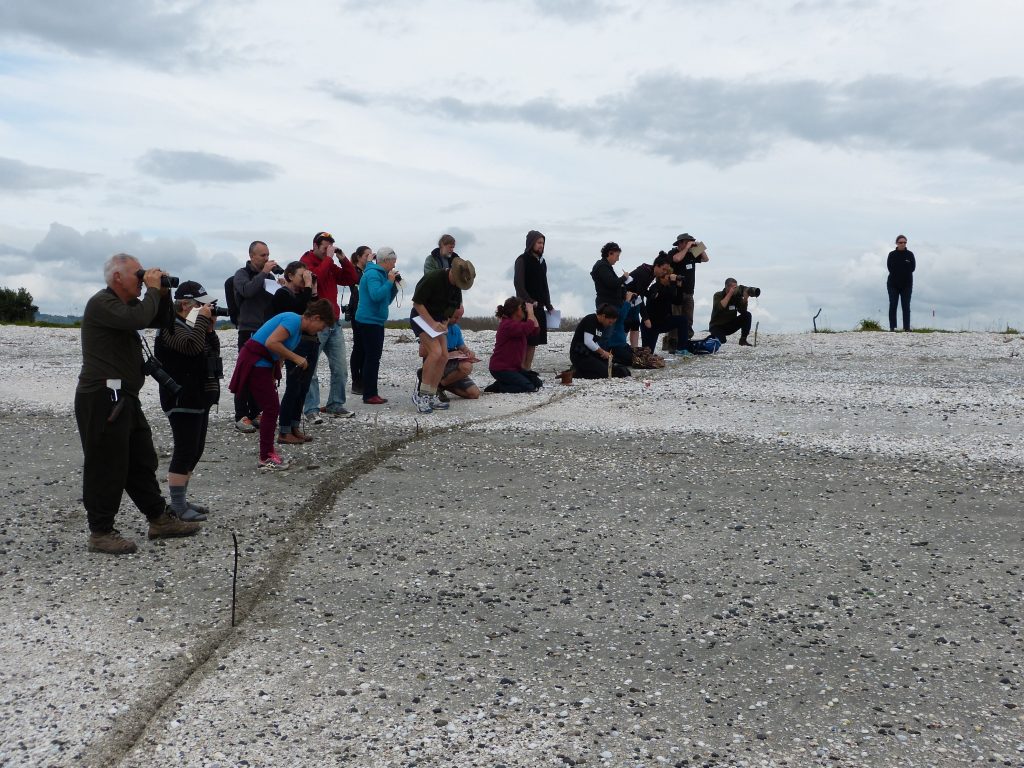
column 797, row 139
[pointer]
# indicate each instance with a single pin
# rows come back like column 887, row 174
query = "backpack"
column 234, row 305
column 707, row 346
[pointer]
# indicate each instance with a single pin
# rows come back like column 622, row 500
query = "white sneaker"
column 273, row 463
column 422, row 403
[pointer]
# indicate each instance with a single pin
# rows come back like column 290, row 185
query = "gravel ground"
column 808, row 553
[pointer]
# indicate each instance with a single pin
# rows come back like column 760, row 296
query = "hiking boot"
column 273, row 462
column 290, row 439
column 302, row 435
column 111, row 543
column 167, row 526
column 245, row 425
column 422, row 403
column 744, row 343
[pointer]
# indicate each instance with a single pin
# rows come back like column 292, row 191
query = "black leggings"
column 189, row 431
column 593, row 367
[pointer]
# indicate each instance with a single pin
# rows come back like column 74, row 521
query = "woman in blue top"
column 377, row 289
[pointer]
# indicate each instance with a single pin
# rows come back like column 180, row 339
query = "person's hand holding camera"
column 206, row 310
column 307, row 279
column 340, row 254
column 394, row 275
column 268, row 267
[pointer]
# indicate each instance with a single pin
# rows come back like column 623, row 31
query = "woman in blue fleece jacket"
column 377, row 289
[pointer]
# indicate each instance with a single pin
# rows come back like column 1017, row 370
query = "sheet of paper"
column 191, row 317
column 554, row 319
column 427, row 329
column 271, row 285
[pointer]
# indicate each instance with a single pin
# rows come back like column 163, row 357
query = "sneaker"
column 375, row 400
column 111, row 543
column 245, row 424
column 441, row 395
column 422, row 402
column 273, row 462
column 338, row 413
column 313, row 417
column 290, row 439
column 437, row 404
column 167, row 526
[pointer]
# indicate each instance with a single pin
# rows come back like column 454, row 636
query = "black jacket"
column 607, row 284
column 531, row 274
column 191, row 357
column 901, row 265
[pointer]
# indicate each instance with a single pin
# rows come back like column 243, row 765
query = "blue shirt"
column 455, row 339
column 289, row 320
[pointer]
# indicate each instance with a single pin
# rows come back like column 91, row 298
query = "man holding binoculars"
column 116, row 438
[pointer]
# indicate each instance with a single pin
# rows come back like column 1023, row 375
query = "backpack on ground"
column 707, row 346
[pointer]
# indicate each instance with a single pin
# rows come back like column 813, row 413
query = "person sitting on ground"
column 190, row 353
column 729, row 314
column 295, row 295
column 377, row 289
column 437, row 296
column 258, row 365
column 460, row 363
column 517, row 324
column 589, row 359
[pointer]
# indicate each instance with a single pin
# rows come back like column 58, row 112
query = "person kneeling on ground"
column 460, row 363
column 190, row 352
column 259, row 366
column 518, row 323
column 589, row 360
column 729, row 313
column 614, row 338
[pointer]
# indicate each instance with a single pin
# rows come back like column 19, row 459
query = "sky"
column 796, row 138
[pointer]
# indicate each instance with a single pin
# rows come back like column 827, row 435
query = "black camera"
column 219, row 311
column 152, row 367
column 166, row 281
column 398, row 278
column 748, row 290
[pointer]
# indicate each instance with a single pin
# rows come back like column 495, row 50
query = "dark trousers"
column 901, row 294
column 677, row 323
column 119, row 457
column 371, row 340
column 263, row 388
column 244, row 404
column 355, row 360
column 741, row 322
column 296, row 384
column 592, row 367
column 676, row 337
column 516, row 381
column 189, row 433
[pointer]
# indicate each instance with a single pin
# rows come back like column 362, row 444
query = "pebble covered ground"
column 807, row 553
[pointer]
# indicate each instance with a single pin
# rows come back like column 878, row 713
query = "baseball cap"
column 319, row 237
column 190, row 289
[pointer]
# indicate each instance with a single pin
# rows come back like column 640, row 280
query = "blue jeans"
column 332, row 342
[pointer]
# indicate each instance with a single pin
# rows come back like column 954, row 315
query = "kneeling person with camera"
column 729, row 312
column 116, row 438
column 190, row 352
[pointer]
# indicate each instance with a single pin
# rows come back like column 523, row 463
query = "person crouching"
column 517, row 324
column 586, row 353
column 258, row 368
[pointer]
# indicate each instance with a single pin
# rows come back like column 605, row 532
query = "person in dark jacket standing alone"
column 901, row 265
column 531, row 283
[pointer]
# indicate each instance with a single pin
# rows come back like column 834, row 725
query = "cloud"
column 179, row 167
column 16, row 176
column 728, row 122
column 463, row 237
column 10, row 250
column 149, row 31
column 575, row 10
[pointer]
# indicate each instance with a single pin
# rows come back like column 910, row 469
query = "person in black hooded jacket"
column 531, row 284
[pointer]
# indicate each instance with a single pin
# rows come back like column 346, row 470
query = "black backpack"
column 232, row 300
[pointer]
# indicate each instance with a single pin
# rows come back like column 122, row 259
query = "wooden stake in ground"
column 611, row 362
column 756, row 325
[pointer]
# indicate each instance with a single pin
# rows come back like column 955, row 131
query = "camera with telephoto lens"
column 166, row 281
column 152, row 367
column 219, row 311
column 748, row 290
